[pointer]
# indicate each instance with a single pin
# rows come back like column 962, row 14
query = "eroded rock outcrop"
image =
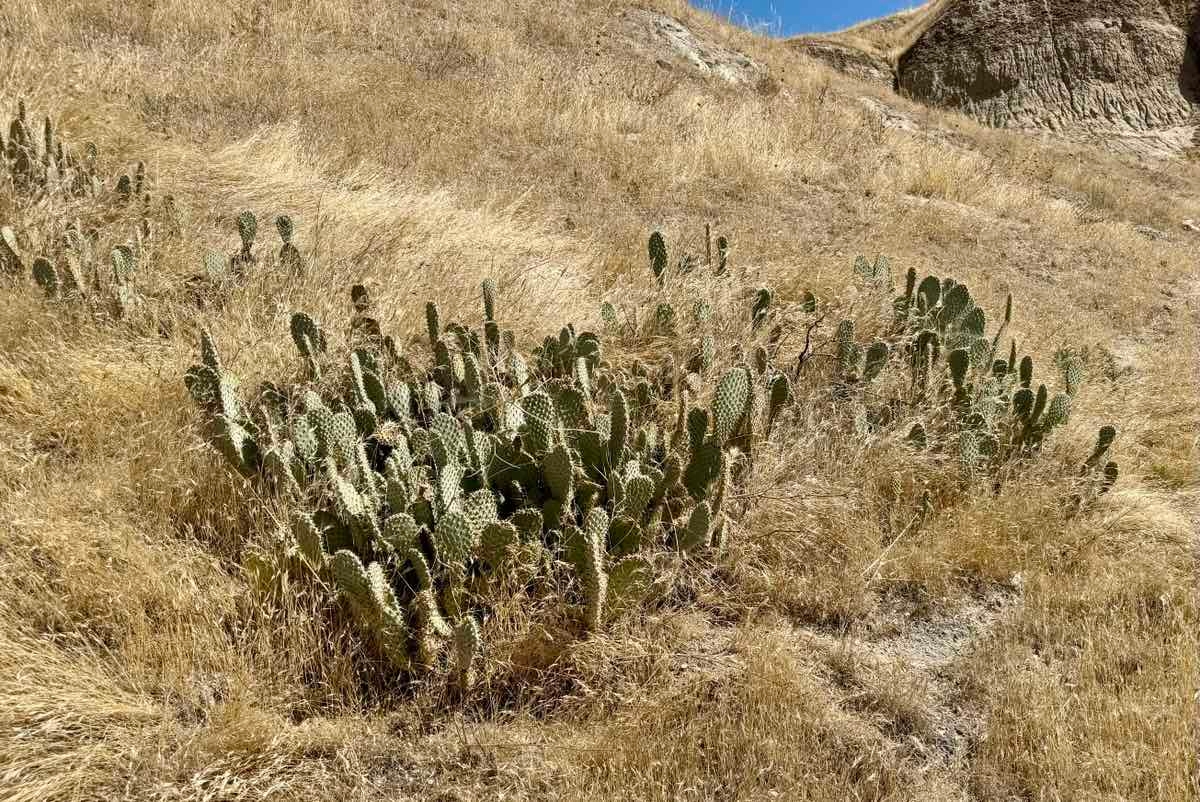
column 1120, row 67
column 847, row 59
column 667, row 40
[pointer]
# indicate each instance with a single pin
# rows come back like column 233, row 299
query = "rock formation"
column 1121, row 71
column 1124, row 67
column 855, row 62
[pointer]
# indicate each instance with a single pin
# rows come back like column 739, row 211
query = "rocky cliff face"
column 1125, row 67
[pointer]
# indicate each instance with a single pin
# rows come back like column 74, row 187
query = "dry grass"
column 424, row 145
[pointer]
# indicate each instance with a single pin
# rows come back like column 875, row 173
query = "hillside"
column 871, row 618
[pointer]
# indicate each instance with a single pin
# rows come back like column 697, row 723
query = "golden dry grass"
column 1003, row 651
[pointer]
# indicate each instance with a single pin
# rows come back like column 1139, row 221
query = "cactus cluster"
column 417, row 483
column 660, row 263
column 76, row 273
column 974, row 399
column 877, row 275
column 38, row 163
column 218, row 269
column 422, row 482
column 66, row 257
column 960, row 394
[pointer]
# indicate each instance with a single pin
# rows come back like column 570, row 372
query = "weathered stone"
column 667, row 41
column 848, row 60
column 1121, row 66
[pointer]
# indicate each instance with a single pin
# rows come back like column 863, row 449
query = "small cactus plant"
column 658, row 257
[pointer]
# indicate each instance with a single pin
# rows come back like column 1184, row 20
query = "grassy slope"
column 425, row 145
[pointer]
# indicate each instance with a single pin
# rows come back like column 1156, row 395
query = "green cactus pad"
column 352, row 582
column 629, row 581
column 541, row 421
column 595, row 580
column 703, row 469
column 433, row 322
column 46, row 277
column 401, row 532
column 1104, row 441
column 729, row 403
column 454, row 538
column 247, row 225
column 960, row 362
column 495, row 541
column 638, row 492
column 974, row 322
column 467, row 645
column 695, row 535
column 968, row 448
column 658, row 256
column 309, row 539
column 480, row 509
column 762, row 306
column 237, row 444
column 285, row 227
column 1058, row 413
column 1073, row 375
column 876, row 360
column 309, row 339
column 558, row 471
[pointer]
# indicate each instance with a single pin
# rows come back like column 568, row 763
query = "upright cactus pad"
column 876, row 360
column 309, row 539
column 467, row 646
column 699, row 525
column 46, row 276
column 401, row 532
column 455, row 538
column 594, row 578
column 1073, row 374
column 247, row 225
column 618, row 439
column 1058, row 412
column 703, row 469
column 558, row 472
column 350, row 578
column 307, row 335
column 10, row 254
column 123, row 264
column 779, row 390
column 286, row 228
column 489, row 299
column 697, row 426
column 541, row 422
column 1104, row 441
column 433, row 323
column 960, row 362
column 658, row 256
column 729, row 403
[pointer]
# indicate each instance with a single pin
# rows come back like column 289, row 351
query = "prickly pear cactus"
column 730, row 403
column 46, row 277
column 428, row 487
column 658, row 257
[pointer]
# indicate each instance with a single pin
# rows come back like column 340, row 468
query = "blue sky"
column 790, row 17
